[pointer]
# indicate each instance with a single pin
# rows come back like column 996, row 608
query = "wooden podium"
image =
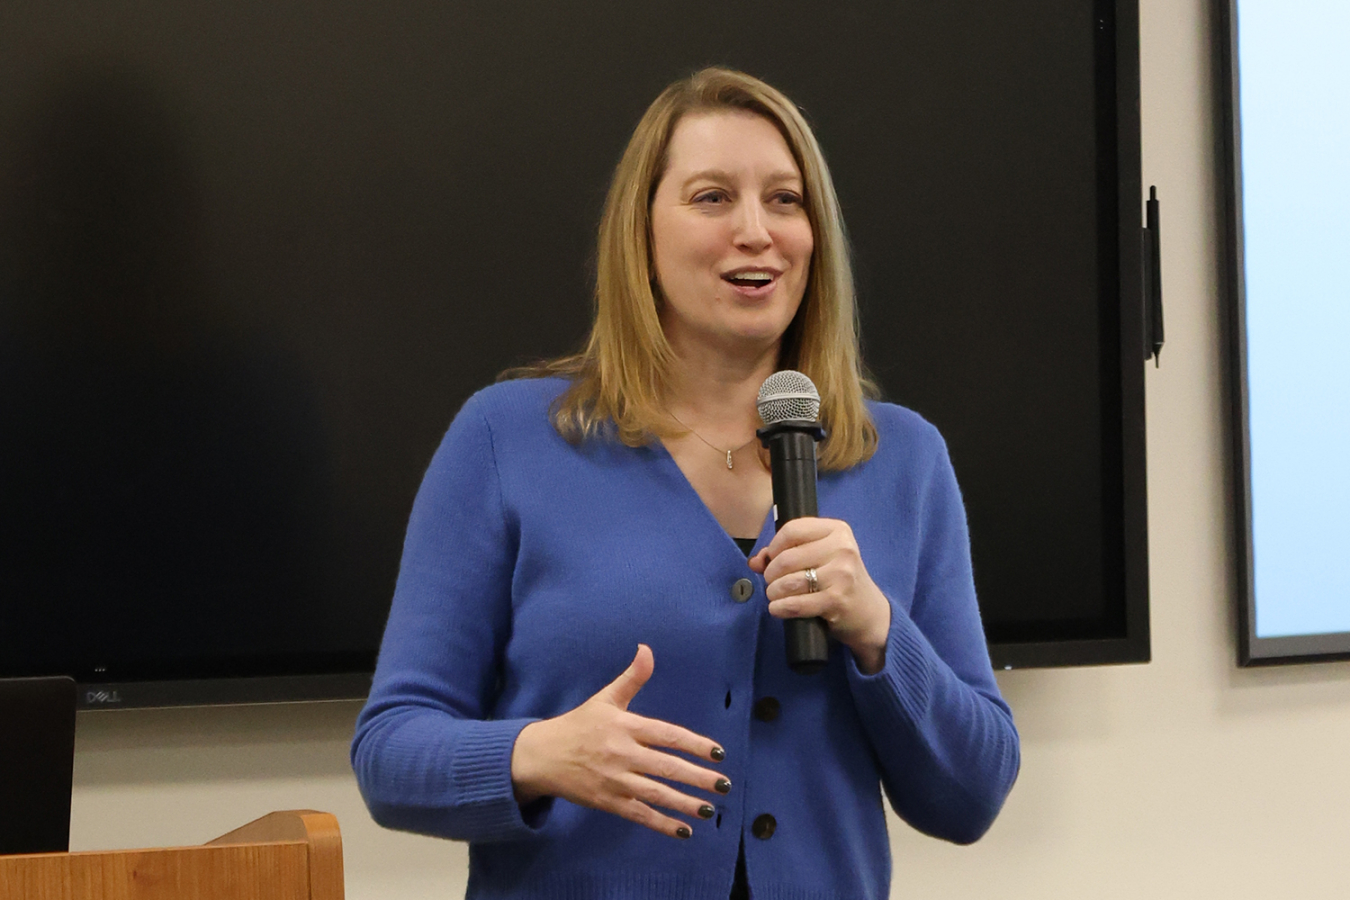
column 292, row 855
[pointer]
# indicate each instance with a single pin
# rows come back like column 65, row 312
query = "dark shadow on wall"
column 162, row 475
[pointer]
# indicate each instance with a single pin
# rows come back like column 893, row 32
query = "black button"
column 764, row 826
column 742, row 590
column 767, row 709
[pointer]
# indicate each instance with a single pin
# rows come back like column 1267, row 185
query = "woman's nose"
column 752, row 232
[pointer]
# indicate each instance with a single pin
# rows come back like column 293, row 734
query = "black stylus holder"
column 792, row 463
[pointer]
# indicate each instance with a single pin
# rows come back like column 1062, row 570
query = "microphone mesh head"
column 788, row 395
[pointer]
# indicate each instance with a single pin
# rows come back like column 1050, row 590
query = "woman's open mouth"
column 751, row 282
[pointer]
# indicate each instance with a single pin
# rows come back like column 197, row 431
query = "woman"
column 591, row 516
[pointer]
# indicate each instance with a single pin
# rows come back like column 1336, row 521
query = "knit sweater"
column 531, row 570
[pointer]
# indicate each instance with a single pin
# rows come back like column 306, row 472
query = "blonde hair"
column 619, row 378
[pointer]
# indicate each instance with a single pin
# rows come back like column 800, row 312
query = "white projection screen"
column 1285, row 146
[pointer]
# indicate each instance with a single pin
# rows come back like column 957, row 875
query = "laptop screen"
column 37, row 752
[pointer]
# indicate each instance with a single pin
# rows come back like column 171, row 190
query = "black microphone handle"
column 792, row 465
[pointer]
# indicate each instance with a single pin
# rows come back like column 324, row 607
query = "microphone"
column 789, row 405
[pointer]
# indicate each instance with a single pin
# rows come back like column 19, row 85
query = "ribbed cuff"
column 904, row 685
column 481, row 769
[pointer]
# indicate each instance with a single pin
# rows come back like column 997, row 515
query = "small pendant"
column 728, row 459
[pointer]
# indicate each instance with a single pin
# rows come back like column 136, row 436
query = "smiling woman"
column 730, row 236
column 594, row 514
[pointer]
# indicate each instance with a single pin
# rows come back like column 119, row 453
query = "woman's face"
column 730, row 236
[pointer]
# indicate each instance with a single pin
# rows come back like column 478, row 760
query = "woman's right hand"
column 600, row 755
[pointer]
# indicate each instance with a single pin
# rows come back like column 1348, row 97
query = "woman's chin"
column 752, row 341
column 746, row 334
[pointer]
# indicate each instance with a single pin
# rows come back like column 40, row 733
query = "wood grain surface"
column 292, row 855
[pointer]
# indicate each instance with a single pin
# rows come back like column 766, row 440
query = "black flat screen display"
column 254, row 256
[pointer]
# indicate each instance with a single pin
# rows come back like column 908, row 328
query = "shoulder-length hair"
column 619, row 379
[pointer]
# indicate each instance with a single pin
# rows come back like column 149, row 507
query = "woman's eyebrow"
column 780, row 177
column 708, row 175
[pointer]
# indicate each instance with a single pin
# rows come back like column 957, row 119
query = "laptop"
column 37, row 755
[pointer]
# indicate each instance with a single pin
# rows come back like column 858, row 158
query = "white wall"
column 1182, row 778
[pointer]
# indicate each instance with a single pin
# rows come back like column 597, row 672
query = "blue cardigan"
column 532, row 569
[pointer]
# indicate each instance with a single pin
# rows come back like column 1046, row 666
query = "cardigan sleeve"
column 427, row 754
column 944, row 737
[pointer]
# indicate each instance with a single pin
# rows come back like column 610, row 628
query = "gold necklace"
column 710, row 443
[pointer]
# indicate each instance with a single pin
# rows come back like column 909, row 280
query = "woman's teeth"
column 750, row 279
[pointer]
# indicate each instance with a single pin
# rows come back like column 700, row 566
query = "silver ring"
column 811, row 584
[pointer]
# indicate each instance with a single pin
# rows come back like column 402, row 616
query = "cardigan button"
column 767, row 709
column 742, row 590
column 764, row 826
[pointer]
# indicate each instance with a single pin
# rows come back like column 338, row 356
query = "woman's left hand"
column 845, row 596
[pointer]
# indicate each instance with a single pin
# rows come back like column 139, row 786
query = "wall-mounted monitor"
column 254, row 257
column 1284, row 76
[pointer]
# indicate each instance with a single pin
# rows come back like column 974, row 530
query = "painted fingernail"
column 718, row 754
column 683, row 832
column 705, row 811
column 722, row 786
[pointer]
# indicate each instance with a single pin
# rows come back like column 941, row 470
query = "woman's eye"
column 710, row 197
column 787, row 198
